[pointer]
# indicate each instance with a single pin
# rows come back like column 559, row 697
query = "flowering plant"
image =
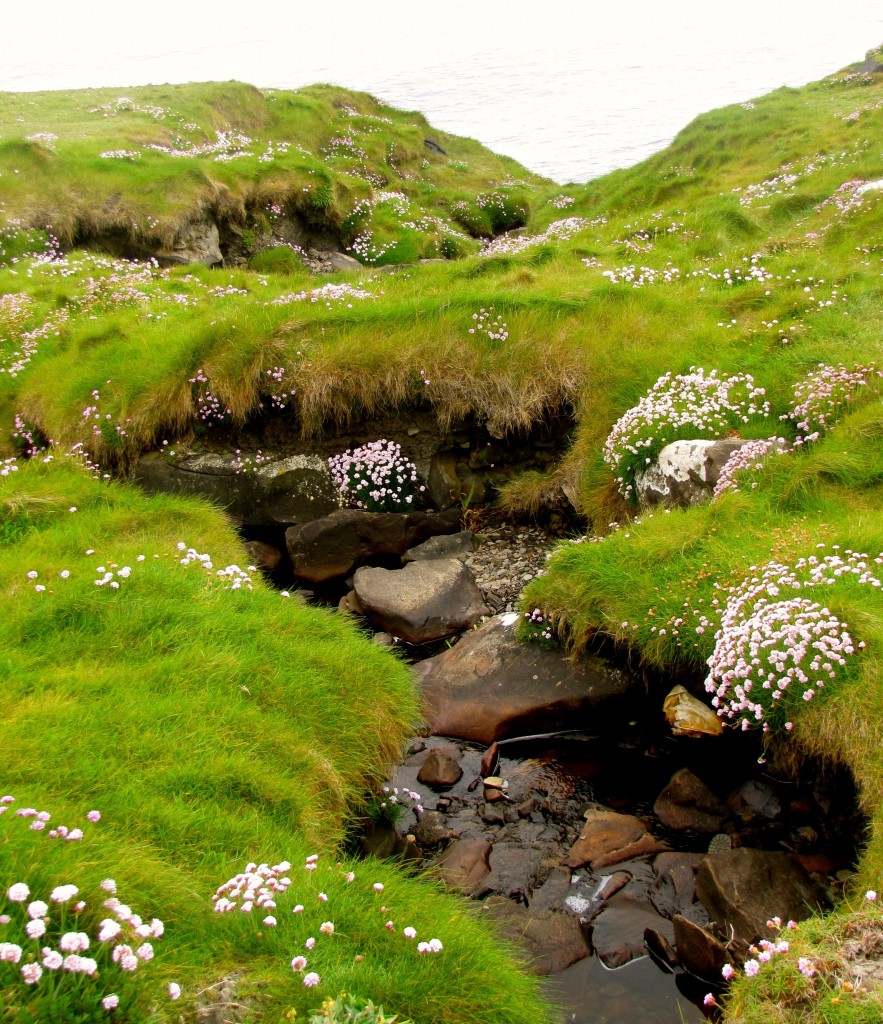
column 376, row 476
column 822, row 396
column 743, row 462
column 775, row 650
column 58, row 961
column 677, row 407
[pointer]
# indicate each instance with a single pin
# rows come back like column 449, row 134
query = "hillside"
column 752, row 245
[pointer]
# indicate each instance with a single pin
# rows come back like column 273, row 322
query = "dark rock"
column 643, row 847
column 440, row 770
column 552, row 893
column 383, row 639
column 604, row 832
column 423, row 601
column 659, row 947
column 491, row 815
column 491, row 687
column 464, row 865
column 527, row 809
column 453, row 545
column 618, row 933
column 699, row 952
column 432, row 829
column 514, row 869
column 284, row 491
column 754, row 798
column 743, row 888
column 434, row 147
column 687, row 803
column 680, row 870
column 264, row 556
column 337, row 543
column 552, row 940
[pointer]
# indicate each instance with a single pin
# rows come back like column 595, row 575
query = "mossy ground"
column 747, row 246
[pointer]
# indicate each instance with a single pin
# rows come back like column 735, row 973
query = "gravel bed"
column 506, row 559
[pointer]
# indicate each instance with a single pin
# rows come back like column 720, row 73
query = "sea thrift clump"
column 376, row 476
column 749, row 457
column 775, row 651
column 694, row 404
column 822, row 396
column 492, row 326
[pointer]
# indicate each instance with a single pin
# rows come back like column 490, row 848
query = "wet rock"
column 440, row 770
column 383, row 639
column 754, row 798
column 423, row 601
column 743, row 888
column 527, row 808
column 491, row 815
column 489, row 760
column 514, row 869
column 489, row 687
column 680, row 870
column 464, row 865
column 618, row 933
column 687, row 803
column 336, row 544
column 552, row 940
column 453, row 545
column 432, row 829
column 552, row 893
column 699, row 952
column 618, row 880
column 604, row 833
column 264, row 556
column 688, row 716
column 277, row 493
column 685, row 472
column 643, row 847
column 659, row 947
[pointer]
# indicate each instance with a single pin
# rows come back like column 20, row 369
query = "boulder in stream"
column 336, row 544
column 491, row 687
column 426, row 600
column 551, row 939
column 687, row 803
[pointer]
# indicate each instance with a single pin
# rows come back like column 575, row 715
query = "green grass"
column 580, row 335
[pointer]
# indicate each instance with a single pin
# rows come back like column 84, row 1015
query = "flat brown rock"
column 699, row 952
column 687, row 803
column 464, row 865
column 604, row 833
column 490, row 687
column 551, row 939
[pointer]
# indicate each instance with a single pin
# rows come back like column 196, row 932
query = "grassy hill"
column 752, row 245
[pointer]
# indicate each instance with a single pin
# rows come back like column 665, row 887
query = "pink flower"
column 18, row 892
column 322, row 897
column 174, row 990
column 35, row 929
column 109, row 929
column 52, row 959
column 871, row 896
column 269, row 921
column 409, row 933
column 389, row 926
column 708, row 1000
column 109, row 885
column 74, row 942
column 38, row 909
column 326, row 928
column 298, row 963
column 144, row 952
column 110, row 1002
column 62, row 893
column 31, row 973
column 299, row 909
column 310, row 943
column 311, row 980
column 727, row 971
column 751, row 968
column 94, row 816
column 378, row 886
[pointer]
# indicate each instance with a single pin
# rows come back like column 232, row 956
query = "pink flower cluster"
column 749, row 457
column 821, row 398
column 494, row 328
column 774, row 649
column 561, row 230
column 689, row 404
column 376, row 476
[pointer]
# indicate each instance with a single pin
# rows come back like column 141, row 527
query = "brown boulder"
column 464, row 865
column 551, row 939
column 264, row 556
column 687, row 803
column 618, row 932
column 699, row 952
column 490, row 687
column 743, row 888
column 609, row 838
column 440, row 770
column 337, row 543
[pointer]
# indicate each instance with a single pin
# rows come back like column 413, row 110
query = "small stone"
column 489, row 760
column 432, row 829
column 440, row 770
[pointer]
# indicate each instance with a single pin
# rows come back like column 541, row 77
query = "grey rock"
column 284, row 491
column 197, row 241
column 336, row 544
column 618, row 933
column 453, row 545
column 491, row 687
column 423, row 601
column 339, row 261
column 685, row 472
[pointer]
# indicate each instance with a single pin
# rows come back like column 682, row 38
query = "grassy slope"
column 210, row 727
column 574, row 334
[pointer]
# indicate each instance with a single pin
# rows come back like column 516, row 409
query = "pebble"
column 508, row 557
